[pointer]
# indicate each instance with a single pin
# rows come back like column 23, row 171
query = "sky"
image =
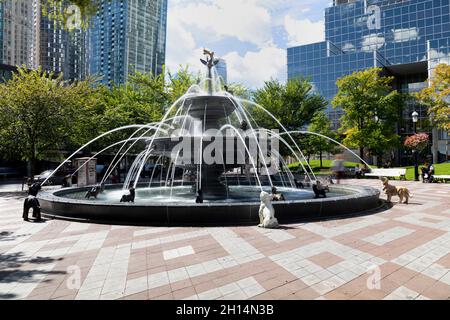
column 251, row 35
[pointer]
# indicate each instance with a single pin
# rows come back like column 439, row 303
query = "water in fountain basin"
column 184, row 195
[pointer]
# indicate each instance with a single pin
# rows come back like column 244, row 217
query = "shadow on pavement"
column 16, row 195
column 17, row 267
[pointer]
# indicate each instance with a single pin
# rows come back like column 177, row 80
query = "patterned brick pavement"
column 400, row 253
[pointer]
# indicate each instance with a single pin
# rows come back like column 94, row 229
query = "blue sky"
column 251, row 35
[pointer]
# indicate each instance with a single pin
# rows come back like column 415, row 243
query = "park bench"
column 441, row 177
column 388, row 173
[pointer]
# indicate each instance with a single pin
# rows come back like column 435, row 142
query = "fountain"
column 208, row 162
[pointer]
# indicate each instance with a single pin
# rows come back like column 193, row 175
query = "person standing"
column 358, row 171
column 338, row 168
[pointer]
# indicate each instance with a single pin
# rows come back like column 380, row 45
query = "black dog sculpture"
column 277, row 196
column 199, row 197
column 32, row 202
column 95, row 191
column 320, row 190
column 244, row 125
column 128, row 197
column 299, row 184
column 34, row 189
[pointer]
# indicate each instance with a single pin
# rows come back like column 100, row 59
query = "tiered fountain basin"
column 161, row 206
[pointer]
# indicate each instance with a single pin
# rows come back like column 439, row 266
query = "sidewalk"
column 400, row 253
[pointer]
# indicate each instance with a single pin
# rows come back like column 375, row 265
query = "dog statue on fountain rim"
column 129, row 197
column 320, row 189
column 267, row 212
column 95, row 191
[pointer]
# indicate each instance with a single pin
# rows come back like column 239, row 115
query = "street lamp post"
column 415, row 118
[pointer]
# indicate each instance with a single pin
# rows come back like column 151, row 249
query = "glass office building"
column 18, row 33
column 407, row 38
column 221, row 68
column 62, row 51
column 127, row 36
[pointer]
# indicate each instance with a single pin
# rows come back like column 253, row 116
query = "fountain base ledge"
column 356, row 200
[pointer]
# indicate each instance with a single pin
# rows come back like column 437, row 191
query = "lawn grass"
column 315, row 165
column 440, row 169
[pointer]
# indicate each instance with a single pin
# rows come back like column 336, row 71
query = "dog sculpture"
column 267, row 212
column 320, row 190
column 32, row 202
column 277, row 196
column 95, row 191
column 129, row 197
column 299, row 184
column 199, row 196
column 391, row 190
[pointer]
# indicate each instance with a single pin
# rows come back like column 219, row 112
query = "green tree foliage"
column 437, row 97
column 39, row 113
column 179, row 83
column 293, row 104
column 317, row 145
column 58, row 10
column 142, row 100
column 371, row 109
column 239, row 90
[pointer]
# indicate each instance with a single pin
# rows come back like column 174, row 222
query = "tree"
column 39, row 113
column 437, row 97
column 293, row 104
column 371, row 109
column 239, row 90
column 321, row 124
column 58, row 11
column 141, row 100
column 417, row 142
column 178, row 84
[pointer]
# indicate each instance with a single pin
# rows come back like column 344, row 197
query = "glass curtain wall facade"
column 18, row 33
column 407, row 38
column 127, row 36
column 61, row 50
column 221, row 68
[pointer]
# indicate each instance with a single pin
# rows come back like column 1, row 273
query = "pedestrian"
column 358, row 171
column 338, row 168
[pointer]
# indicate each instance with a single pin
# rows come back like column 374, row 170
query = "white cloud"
column 254, row 68
column 348, row 47
column 181, row 45
column 244, row 20
column 372, row 42
column 303, row 31
column 404, row 35
column 438, row 57
column 247, row 21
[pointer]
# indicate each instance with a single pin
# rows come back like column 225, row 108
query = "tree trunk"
column 32, row 167
column 320, row 157
column 361, row 153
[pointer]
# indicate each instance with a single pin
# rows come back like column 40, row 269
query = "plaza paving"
column 406, row 246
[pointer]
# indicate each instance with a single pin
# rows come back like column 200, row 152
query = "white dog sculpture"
column 267, row 212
